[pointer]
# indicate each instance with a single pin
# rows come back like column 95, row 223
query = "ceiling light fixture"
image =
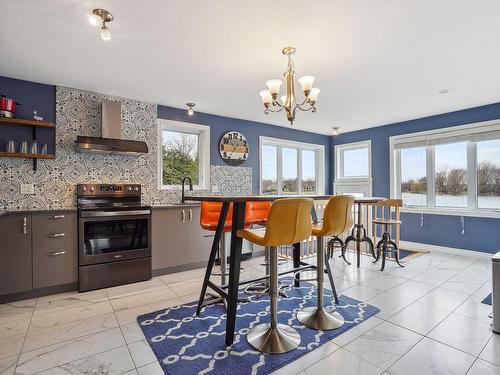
column 190, row 111
column 335, row 131
column 444, row 91
column 100, row 17
column 288, row 101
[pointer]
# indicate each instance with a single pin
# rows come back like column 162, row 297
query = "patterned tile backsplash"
column 79, row 113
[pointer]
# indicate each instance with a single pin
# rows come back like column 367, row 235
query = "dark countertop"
column 38, row 210
column 74, row 209
column 178, row 205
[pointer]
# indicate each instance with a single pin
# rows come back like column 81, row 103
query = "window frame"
column 319, row 151
column 203, row 132
column 469, row 133
column 347, row 183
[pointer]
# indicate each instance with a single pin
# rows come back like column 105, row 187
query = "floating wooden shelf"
column 21, row 122
column 26, row 156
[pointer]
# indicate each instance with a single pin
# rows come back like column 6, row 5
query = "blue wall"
column 219, row 125
column 32, row 96
column 481, row 234
column 41, row 97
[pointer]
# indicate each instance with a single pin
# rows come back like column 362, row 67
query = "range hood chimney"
column 111, row 141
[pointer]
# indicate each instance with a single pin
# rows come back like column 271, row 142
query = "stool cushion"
column 337, row 217
column 289, row 222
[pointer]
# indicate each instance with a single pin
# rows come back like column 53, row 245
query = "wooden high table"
column 239, row 204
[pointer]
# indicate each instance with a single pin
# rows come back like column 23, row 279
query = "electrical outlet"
column 215, row 188
column 27, row 189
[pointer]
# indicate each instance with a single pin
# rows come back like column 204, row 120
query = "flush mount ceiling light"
column 99, row 18
column 335, row 131
column 190, row 111
column 288, row 102
column 444, row 91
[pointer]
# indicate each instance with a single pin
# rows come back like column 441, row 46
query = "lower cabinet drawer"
column 55, row 259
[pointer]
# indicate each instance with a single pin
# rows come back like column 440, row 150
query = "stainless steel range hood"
column 111, row 141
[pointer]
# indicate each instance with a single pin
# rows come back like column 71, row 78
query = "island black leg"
column 213, row 253
column 234, row 269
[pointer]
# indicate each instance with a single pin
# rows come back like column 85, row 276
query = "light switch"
column 27, row 189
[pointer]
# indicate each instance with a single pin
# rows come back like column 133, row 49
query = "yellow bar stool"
column 335, row 220
column 289, row 222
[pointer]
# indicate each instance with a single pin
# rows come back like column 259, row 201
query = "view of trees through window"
column 450, row 177
column 488, row 174
column 180, row 157
column 297, row 165
column 451, row 174
column 414, row 176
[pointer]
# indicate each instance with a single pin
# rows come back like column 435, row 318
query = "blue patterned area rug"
column 187, row 344
column 487, row 300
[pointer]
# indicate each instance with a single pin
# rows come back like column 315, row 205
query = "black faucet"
column 190, row 187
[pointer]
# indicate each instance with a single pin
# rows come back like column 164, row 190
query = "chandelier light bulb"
column 105, row 33
column 94, row 19
column 274, row 86
column 313, row 95
column 266, row 96
column 307, row 83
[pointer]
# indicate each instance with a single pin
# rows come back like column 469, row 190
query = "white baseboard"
column 417, row 246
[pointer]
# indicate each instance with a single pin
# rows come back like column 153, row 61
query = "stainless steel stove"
column 114, row 235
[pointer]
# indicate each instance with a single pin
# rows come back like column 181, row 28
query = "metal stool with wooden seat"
column 386, row 243
column 289, row 222
column 336, row 219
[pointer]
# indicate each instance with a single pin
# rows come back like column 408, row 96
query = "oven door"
column 107, row 236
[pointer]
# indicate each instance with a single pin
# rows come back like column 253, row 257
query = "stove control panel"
column 108, row 189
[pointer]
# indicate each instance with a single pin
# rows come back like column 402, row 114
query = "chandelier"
column 288, row 102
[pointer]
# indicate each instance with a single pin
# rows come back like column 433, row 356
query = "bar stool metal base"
column 320, row 318
column 281, row 339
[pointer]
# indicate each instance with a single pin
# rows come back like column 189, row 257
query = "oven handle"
column 114, row 213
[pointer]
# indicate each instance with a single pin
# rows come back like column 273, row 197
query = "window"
column 450, row 179
column 455, row 169
column 269, row 170
column 183, row 152
column 488, row 174
column 353, row 168
column 414, row 176
column 290, row 168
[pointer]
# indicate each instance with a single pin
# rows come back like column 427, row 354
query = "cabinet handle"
column 25, row 225
column 183, row 216
column 56, row 235
column 56, row 253
column 190, row 215
column 56, row 217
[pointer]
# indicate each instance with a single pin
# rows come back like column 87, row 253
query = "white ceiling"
column 376, row 62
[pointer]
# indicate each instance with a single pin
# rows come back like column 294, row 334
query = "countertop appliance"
column 114, row 235
column 7, row 107
column 495, row 295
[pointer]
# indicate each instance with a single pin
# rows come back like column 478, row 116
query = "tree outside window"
column 180, row 156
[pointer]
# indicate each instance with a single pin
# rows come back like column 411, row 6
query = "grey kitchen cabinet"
column 55, row 249
column 15, row 253
column 177, row 237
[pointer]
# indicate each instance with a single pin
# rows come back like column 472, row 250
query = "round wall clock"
column 233, row 148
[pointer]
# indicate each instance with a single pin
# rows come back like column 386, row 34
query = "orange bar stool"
column 210, row 212
column 289, row 222
column 335, row 220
